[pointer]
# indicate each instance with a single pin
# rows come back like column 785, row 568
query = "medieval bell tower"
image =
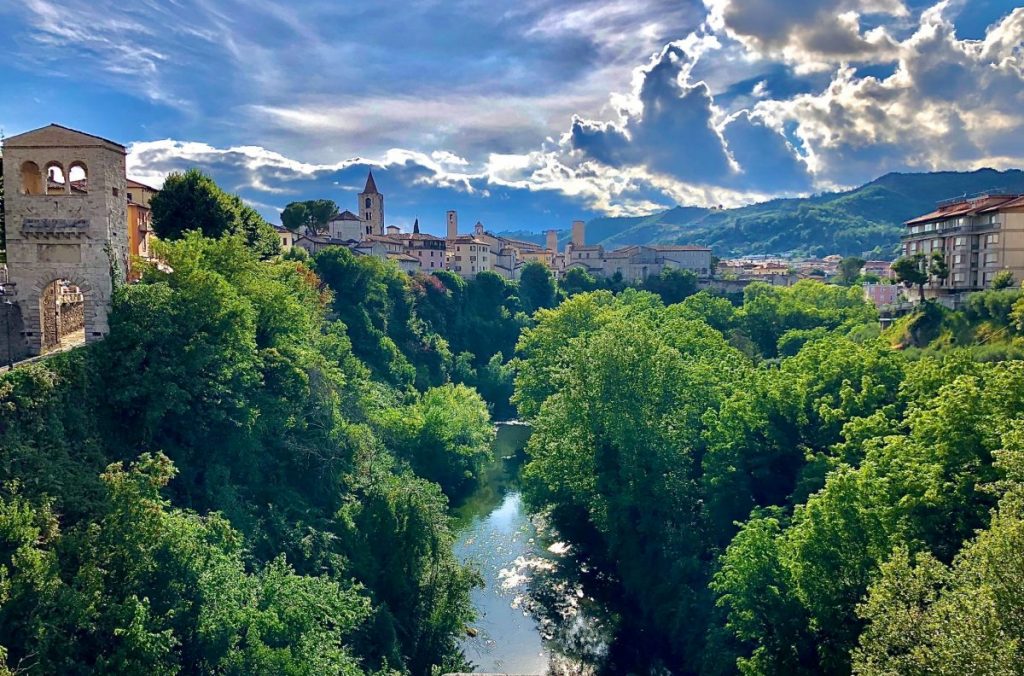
column 371, row 208
column 67, row 240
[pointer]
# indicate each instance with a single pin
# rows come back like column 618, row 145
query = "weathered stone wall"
column 12, row 343
column 76, row 234
column 72, row 317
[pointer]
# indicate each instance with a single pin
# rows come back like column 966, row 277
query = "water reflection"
column 533, row 614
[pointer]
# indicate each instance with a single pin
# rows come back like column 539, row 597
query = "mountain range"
column 864, row 221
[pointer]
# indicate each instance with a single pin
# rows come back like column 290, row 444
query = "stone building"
column 633, row 263
column 67, row 239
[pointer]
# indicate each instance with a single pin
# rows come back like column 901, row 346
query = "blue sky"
column 525, row 114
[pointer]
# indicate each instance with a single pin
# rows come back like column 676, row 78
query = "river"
column 532, row 617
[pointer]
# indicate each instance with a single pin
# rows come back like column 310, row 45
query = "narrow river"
column 531, row 619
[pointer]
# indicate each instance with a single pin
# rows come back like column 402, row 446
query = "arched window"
column 78, row 174
column 369, row 202
column 56, row 183
column 31, row 179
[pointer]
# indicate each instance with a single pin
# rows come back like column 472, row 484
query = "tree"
column 849, row 270
column 577, row 280
column 1003, row 280
column 672, row 284
column 193, row 201
column 258, row 233
column 445, row 436
column 536, row 287
column 146, row 588
column 911, row 271
column 311, row 214
column 938, row 268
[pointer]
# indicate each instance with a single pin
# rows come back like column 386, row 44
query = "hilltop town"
column 63, row 252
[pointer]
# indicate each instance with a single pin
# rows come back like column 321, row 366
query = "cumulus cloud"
column 605, row 106
column 809, row 33
column 950, row 104
column 674, row 130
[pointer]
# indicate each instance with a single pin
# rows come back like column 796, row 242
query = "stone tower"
column 67, row 224
column 453, row 225
column 371, row 208
column 578, row 228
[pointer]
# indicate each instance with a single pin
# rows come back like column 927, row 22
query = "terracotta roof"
column 417, row 236
column 371, row 185
column 967, row 208
column 402, row 257
column 1015, row 203
column 387, row 239
column 345, row 216
column 136, row 184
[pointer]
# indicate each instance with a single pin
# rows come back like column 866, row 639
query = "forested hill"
column 866, row 219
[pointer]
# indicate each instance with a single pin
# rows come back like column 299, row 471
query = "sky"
column 525, row 114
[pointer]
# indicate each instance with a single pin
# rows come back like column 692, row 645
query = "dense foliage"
column 290, row 540
column 193, row 201
column 773, row 488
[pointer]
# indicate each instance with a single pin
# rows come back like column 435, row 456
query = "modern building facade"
column 977, row 236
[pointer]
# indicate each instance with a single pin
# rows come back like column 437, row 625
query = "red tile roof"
column 968, row 207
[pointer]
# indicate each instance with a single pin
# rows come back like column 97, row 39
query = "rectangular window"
column 991, row 258
column 960, row 241
column 959, row 277
column 992, row 239
column 958, row 259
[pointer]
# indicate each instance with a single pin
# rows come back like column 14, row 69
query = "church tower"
column 371, row 208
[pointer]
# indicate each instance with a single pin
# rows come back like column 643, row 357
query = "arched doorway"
column 61, row 316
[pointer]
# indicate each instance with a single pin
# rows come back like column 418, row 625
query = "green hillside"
column 866, row 220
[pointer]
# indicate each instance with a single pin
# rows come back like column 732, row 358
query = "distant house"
column 882, row 269
column 882, row 295
column 286, row 237
column 140, row 222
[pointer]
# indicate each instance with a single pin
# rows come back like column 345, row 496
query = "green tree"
column 849, row 270
column 149, row 588
column 537, row 287
column 912, row 271
column 1003, row 280
column 577, row 280
column 193, row 201
column 673, row 285
column 445, row 435
column 938, row 268
column 311, row 214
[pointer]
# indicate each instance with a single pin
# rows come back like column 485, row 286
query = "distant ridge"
column 866, row 220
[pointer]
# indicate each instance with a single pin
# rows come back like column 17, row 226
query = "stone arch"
column 31, row 179
column 56, row 178
column 78, row 176
column 58, row 310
